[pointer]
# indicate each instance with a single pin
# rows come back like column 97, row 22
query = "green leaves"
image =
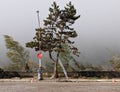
column 16, row 53
column 10, row 43
column 57, row 30
column 115, row 62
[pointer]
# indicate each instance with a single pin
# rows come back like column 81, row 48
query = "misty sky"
column 98, row 28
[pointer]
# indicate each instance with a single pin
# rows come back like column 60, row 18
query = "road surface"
column 59, row 87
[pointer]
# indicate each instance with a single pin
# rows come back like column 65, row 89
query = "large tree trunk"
column 55, row 72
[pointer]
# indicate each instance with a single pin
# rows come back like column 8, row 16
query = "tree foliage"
column 16, row 53
column 68, row 60
column 115, row 62
column 57, row 31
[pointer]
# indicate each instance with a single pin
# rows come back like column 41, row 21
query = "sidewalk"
column 58, row 80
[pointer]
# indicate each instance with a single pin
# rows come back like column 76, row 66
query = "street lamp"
column 39, row 55
column 40, row 75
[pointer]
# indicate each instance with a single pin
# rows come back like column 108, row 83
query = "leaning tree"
column 57, row 31
column 16, row 53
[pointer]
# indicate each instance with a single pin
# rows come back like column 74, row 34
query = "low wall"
column 98, row 74
column 80, row 74
column 11, row 74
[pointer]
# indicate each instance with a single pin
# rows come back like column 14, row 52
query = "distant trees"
column 115, row 62
column 57, row 31
column 16, row 53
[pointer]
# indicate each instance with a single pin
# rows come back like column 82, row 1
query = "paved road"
column 60, row 87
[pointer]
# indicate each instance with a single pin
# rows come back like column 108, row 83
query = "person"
column 39, row 73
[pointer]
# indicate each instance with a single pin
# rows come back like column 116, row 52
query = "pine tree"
column 57, row 30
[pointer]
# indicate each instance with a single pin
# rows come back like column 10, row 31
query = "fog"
column 98, row 27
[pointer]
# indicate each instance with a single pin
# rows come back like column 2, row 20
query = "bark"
column 55, row 72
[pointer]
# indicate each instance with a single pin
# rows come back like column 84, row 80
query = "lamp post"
column 39, row 55
column 40, row 75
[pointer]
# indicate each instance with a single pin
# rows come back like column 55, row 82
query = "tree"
column 68, row 60
column 31, row 66
column 57, row 30
column 115, row 62
column 16, row 53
